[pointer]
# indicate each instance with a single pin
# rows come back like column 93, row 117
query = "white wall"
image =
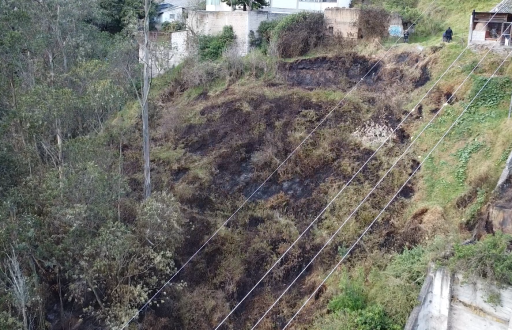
column 164, row 54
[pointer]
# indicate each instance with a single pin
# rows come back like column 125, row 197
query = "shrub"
column 405, row 8
column 264, row 34
column 373, row 22
column 373, row 318
column 297, row 34
column 173, row 26
column 488, row 258
column 259, row 65
column 352, row 298
column 212, row 47
column 430, row 25
column 232, row 64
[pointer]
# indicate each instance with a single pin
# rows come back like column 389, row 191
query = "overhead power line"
column 396, row 194
column 366, row 197
column 266, row 180
column 348, row 183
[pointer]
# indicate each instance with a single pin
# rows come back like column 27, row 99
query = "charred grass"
column 214, row 146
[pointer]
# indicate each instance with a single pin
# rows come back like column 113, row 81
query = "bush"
column 173, row 26
column 373, row 22
column 405, row 8
column 262, row 39
column 212, row 47
column 295, row 35
column 354, row 310
column 352, row 298
column 429, row 26
column 488, row 258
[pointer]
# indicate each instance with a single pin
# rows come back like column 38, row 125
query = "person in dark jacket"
column 406, row 36
column 448, row 34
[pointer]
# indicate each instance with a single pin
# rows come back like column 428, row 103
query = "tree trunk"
column 145, row 96
column 19, row 286
column 60, row 160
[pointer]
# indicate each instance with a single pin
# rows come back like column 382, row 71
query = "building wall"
column 342, row 21
column 212, row 22
column 396, row 28
column 168, row 51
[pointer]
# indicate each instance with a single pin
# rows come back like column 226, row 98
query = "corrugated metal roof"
column 504, row 7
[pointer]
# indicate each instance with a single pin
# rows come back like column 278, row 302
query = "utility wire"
column 366, row 197
column 391, row 200
column 268, row 178
column 345, row 186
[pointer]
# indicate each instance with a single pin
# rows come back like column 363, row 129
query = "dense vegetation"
column 212, row 47
column 81, row 249
column 62, row 188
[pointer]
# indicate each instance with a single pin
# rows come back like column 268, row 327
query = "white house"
column 167, row 12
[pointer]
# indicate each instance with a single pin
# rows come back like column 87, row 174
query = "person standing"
column 449, row 34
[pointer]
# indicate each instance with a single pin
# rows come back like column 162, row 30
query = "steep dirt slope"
column 214, row 151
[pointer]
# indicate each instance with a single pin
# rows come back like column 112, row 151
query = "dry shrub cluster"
column 230, row 67
column 297, row 34
column 373, row 23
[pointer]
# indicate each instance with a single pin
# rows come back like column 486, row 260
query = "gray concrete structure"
column 447, row 302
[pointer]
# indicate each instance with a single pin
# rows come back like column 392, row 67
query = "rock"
column 504, row 181
column 501, row 218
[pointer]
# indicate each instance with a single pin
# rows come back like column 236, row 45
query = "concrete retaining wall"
column 342, row 21
column 447, row 302
column 212, row 22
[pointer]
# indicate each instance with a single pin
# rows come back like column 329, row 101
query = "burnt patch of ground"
column 406, row 71
column 232, row 142
column 329, row 71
